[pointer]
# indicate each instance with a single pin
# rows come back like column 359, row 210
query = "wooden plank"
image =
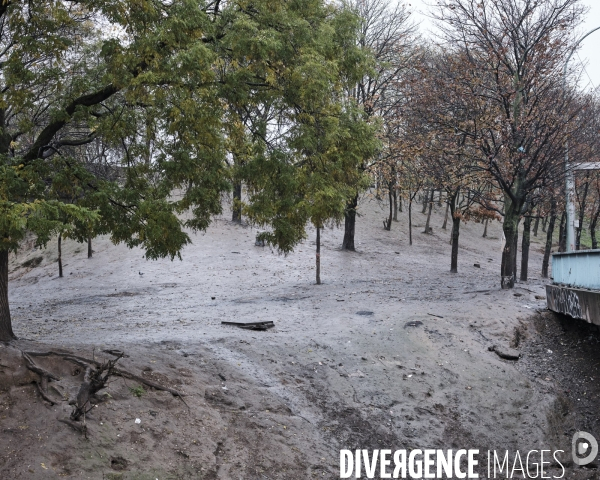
column 247, row 323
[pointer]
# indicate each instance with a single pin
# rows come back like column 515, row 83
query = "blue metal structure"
column 579, row 269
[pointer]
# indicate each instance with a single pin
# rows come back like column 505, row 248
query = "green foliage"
column 137, row 391
column 133, row 117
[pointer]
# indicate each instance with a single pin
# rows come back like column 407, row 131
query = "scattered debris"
column 416, row 323
column 505, row 352
column 518, row 294
column 364, row 313
column 222, row 377
column 477, row 265
column 434, row 315
column 540, row 297
column 260, row 325
column 138, row 421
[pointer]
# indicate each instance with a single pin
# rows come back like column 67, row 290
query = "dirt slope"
column 391, row 351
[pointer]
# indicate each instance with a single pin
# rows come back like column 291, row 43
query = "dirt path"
column 391, row 351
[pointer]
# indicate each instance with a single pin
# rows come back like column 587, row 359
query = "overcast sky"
column 589, row 52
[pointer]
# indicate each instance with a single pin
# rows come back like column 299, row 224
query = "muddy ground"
column 392, row 351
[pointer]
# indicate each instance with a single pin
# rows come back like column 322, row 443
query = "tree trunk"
column 485, row 228
column 90, row 251
column 446, row 216
column 537, row 224
column 544, row 223
column 427, row 228
column 455, row 234
column 562, row 233
column 388, row 224
column 236, row 215
column 399, row 202
column 318, row 256
column 409, row 219
column 525, row 248
column 593, row 224
column 440, row 199
column 425, row 201
column 350, row 224
column 60, row 272
column 549, row 235
column 582, row 205
column 508, row 270
column 6, row 333
column 395, row 205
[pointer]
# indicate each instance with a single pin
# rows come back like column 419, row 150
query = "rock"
column 416, row 323
column 540, row 297
column 477, row 265
column 505, row 352
column 260, row 241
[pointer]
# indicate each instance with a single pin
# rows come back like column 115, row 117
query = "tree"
column 385, row 31
column 513, row 53
column 109, row 107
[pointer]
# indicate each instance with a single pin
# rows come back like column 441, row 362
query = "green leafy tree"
column 107, row 108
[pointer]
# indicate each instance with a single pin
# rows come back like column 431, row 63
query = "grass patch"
column 137, row 391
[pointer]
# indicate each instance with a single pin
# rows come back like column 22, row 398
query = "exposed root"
column 149, row 383
column 78, row 427
column 44, row 395
column 96, row 377
column 93, row 381
column 40, row 371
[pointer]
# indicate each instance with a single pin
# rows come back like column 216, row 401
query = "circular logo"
column 587, row 443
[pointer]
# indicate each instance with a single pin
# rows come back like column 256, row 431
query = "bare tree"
column 389, row 34
column 512, row 54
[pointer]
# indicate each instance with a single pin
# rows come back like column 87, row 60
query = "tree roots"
column 96, row 377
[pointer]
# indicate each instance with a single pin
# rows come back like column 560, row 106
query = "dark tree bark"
column 350, row 224
column 537, row 224
column 544, row 223
column 236, row 215
column 508, row 268
column 525, row 248
column 387, row 224
column 562, row 233
column 593, row 224
column 455, row 234
column 6, row 333
column 485, row 228
column 60, row 270
column 549, row 235
column 409, row 219
column 399, row 202
column 427, row 228
column 446, row 216
column 440, row 199
column 395, row 205
column 318, row 256
column 90, row 251
column 425, row 201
